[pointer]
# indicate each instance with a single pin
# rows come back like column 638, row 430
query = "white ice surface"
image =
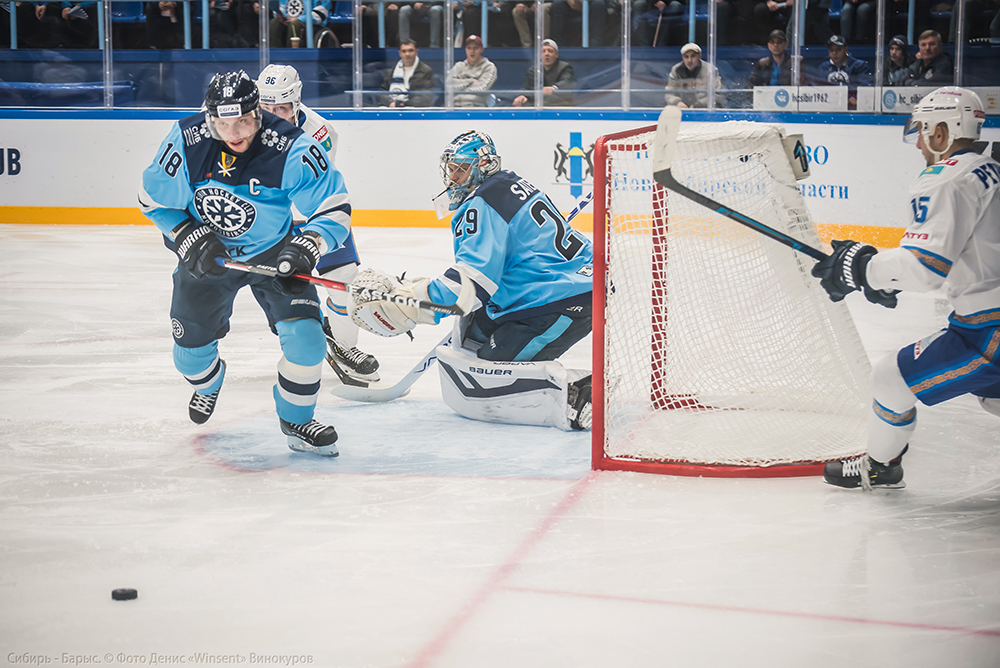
column 433, row 541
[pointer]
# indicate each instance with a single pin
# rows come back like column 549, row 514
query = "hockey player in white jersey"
column 281, row 94
column 533, row 278
column 953, row 241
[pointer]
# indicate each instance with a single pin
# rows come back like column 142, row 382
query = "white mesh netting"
column 720, row 348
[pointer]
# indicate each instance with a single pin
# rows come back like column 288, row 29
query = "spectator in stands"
column 857, row 20
column 247, row 23
column 775, row 69
column 222, row 21
column 770, row 16
column 557, row 80
column 817, row 22
column 164, row 25
column 843, row 69
column 285, row 31
column 413, row 14
column 652, row 21
column 523, row 18
column 895, row 70
column 323, row 35
column 932, row 67
column 369, row 24
column 473, row 76
column 689, row 79
column 409, row 75
column 79, row 26
column 499, row 22
column 564, row 15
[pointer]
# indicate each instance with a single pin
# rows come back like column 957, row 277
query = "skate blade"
column 347, row 378
column 298, row 445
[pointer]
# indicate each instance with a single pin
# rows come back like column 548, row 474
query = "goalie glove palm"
column 199, row 249
column 387, row 318
column 299, row 256
column 845, row 271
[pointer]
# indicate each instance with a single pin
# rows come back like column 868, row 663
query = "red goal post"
column 715, row 351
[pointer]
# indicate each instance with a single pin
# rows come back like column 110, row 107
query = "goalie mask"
column 230, row 96
column 280, row 84
column 466, row 162
column 958, row 108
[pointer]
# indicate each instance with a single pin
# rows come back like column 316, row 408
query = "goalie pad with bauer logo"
column 529, row 393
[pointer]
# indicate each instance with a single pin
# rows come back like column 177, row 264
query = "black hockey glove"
column 198, row 247
column 299, row 256
column 844, row 272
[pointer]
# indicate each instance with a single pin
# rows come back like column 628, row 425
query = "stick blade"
column 374, row 395
column 665, row 141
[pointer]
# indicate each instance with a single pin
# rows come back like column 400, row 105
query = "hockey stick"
column 402, row 386
column 664, row 145
column 461, row 307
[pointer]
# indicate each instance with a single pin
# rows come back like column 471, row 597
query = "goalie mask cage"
column 716, row 353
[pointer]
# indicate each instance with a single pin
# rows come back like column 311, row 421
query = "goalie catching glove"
column 845, row 271
column 387, row 318
column 198, row 248
column 299, row 256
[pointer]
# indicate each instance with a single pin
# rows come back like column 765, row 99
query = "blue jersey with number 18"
column 521, row 253
column 245, row 198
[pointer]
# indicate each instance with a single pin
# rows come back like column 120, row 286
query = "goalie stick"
column 402, row 386
column 664, row 145
column 461, row 307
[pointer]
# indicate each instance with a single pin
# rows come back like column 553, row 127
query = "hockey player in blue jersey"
column 533, row 277
column 221, row 187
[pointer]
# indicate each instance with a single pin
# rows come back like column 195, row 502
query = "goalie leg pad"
column 529, row 393
column 389, row 318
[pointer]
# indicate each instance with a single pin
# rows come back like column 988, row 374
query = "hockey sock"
column 201, row 366
column 299, row 370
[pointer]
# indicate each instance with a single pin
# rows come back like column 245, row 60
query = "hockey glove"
column 198, row 247
column 844, row 272
column 388, row 318
column 299, row 256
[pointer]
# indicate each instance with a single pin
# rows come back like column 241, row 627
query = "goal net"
column 716, row 352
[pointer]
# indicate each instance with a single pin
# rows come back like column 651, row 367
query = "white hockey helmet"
column 280, row 84
column 959, row 108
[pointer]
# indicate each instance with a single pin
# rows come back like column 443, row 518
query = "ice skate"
column 319, row 439
column 581, row 408
column 351, row 365
column 866, row 473
column 201, row 406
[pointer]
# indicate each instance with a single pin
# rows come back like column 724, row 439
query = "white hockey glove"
column 388, row 318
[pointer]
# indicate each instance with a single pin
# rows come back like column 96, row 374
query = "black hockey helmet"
column 232, row 95
column 229, row 89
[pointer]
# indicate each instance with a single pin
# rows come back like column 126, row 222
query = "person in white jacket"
column 473, row 76
column 952, row 243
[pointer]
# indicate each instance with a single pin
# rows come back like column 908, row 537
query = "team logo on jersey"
column 195, row 134
column 223, row 211
column 226, row 164
column 272, row 139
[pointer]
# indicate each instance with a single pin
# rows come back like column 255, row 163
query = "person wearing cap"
column 557, row 79
column 932, row 66
column 775, row 69
column 843, row 69
column 899, row 61
column 687, row 86
column 473, row 75
column 323, row 36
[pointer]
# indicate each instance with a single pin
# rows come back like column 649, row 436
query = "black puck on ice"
column 124, row 594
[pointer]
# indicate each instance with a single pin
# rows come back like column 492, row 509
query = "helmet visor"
column 911, row 130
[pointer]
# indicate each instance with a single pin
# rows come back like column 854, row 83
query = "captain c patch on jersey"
column 223, row 211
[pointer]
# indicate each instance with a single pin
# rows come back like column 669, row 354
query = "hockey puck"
column 124, row 594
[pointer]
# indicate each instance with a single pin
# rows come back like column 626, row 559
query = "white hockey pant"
column 337, row 306
column 894, row 415
column 529, row 393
